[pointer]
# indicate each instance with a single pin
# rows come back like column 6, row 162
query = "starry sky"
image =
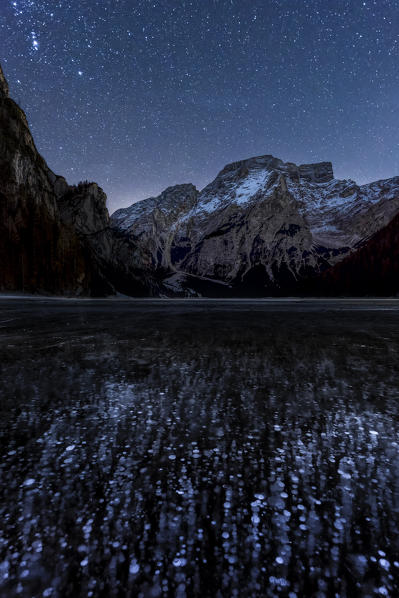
column 142, row 94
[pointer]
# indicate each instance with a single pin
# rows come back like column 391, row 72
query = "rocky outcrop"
column 55, row 238
column 261, row 227
column 122, row 263
column 3, row 85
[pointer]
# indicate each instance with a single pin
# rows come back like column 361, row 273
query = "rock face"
column 152, row 223
column 261, row 227
column 55, row 238
column 122, row 263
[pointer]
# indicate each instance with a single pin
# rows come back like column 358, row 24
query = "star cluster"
column 141, row 94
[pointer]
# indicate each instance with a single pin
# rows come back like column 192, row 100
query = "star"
column 144, row 95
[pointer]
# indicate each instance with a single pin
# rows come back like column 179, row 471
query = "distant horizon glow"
column 139, row 96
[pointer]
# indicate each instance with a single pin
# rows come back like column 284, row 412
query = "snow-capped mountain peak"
column 261, row 214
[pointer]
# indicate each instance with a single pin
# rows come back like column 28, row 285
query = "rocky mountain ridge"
column 262, row 226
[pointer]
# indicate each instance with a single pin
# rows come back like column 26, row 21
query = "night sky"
column 140, row 95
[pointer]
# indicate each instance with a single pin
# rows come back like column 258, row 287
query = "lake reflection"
column 199, row 448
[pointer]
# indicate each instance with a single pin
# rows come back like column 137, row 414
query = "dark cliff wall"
column 55, row 238
column 38, row 253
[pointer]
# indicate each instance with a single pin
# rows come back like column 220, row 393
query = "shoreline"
column 188, row 300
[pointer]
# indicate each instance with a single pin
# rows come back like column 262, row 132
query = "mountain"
column 56, row 238
column 262, row 227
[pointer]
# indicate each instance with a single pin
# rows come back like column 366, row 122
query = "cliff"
column 55, row 238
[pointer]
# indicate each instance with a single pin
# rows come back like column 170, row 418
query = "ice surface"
column 199, row 449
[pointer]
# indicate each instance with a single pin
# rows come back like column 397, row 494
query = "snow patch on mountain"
column 254, row 182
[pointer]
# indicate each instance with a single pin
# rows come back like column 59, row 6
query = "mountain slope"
column 261, row 227
column 151, row 223
column 372, row 270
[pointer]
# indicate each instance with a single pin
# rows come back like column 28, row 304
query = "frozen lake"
column 199, row 448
